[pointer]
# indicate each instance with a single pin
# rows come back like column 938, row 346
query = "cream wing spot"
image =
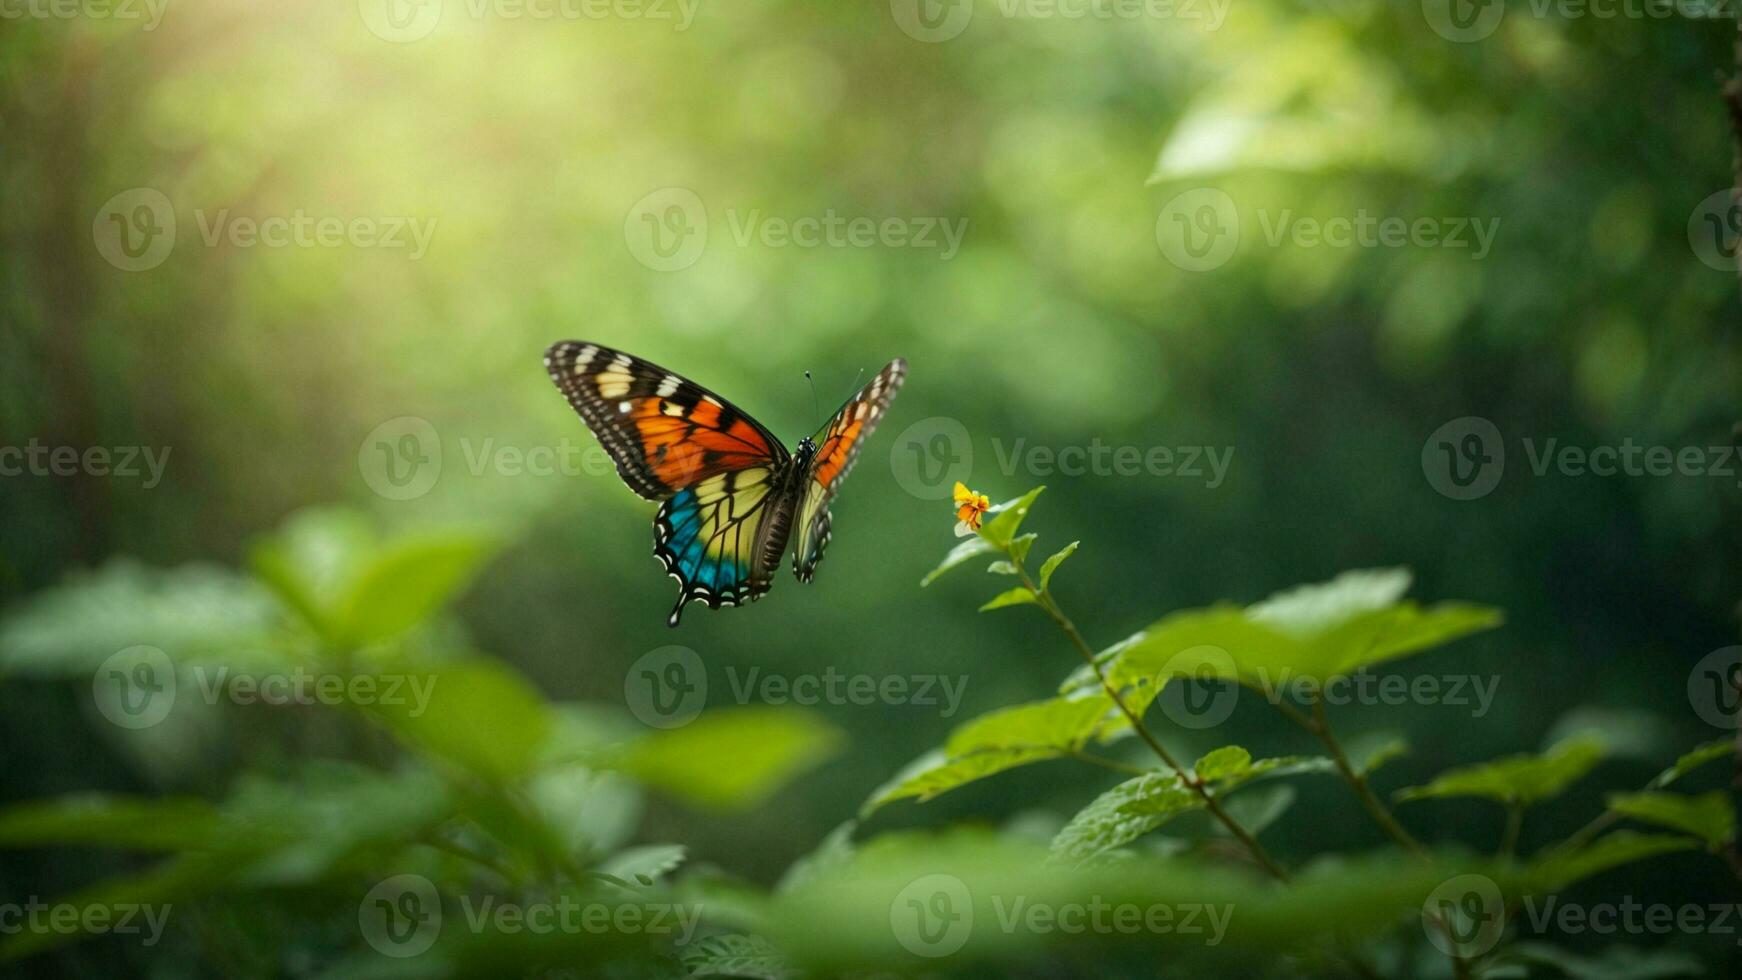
column 668, row 386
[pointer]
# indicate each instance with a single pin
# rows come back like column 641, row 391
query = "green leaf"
column 408, row 582
column 1709, row 816
column 1052, row 564
column 1560, row 869
column 997, row 741
column 935, row 773
column 1312, row 633
column 1021, row 595
column 734, row 955
column 479, row 715
column 1257, row 808
column 734, row 759
column 1694, row 759
column 190, row 612
column 1121, row 815
column 968, row 550
column 1006, row 519
column 1519, row 779
column 94, row 820
column 835, row 851
column 1368, row 751
column 1001, row 568
column 1223, row 763
column 645, row 864
column 1019, row 547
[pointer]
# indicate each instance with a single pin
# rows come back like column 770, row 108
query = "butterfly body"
column 732, row 497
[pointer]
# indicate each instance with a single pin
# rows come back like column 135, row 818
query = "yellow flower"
column 969, row 507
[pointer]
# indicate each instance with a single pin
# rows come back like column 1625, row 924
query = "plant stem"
column 1113, row 764
column 1047, row 603
column 1320, row 726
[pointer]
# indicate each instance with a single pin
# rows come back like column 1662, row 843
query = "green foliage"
column 732, row 760
column 1709, row 816
column 1521, row 779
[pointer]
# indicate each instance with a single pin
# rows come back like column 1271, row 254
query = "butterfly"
column 730, row 494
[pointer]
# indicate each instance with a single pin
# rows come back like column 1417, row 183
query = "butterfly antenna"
column 816, row 408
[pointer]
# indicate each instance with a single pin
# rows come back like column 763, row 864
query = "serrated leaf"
column 1001, row 568
column 1123, row 814
column 734, row 955
column 1708, row 816
column 997, row 741
column 1021, row 595
column 1694, row 759
column 733, row 759
column 645, row 864
column 1560, row 869
column 1052, row 564
column 1312, row 633
column 1006, row 519
column 1519, row 779
column 835, row 851
column 969, row 549
column 1223, row 763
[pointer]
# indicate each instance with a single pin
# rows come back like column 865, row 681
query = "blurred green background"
column 527, row 149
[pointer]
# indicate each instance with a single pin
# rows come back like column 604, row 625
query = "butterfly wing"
column 838, row 446
column 715, row 468
column 662, row 430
